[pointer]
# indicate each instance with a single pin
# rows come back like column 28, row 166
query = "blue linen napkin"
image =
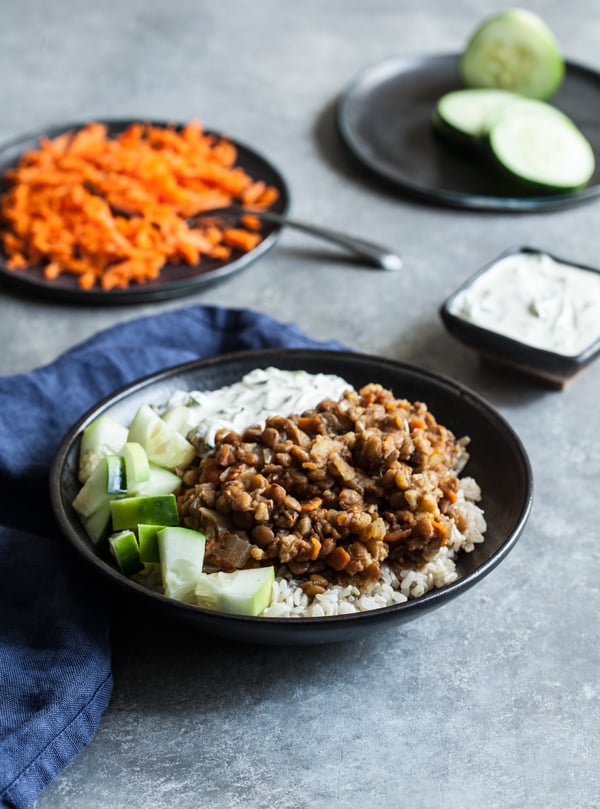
column 55, row 675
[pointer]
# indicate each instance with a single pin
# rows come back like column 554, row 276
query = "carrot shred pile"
column 115, row 210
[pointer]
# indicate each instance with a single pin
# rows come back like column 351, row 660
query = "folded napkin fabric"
column 55, row 675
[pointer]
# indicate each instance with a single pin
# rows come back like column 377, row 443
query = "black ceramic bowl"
column 548, row 367
column 498, row 462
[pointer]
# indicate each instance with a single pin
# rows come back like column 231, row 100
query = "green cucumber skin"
column 125, row 549
column 148, row 541
column 453, row 136
column 520, row 185
column 128, row 512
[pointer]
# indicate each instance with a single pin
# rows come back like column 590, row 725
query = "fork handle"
column 374, row 254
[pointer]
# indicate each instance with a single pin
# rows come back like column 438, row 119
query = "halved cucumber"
column 181, row 552
column 164, row 445
column 514, row 50
column 540, row 146
column 462, row 115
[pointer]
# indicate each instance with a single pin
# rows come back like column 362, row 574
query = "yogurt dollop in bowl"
column 532, row 311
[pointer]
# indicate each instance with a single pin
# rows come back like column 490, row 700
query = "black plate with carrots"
column 176, row 278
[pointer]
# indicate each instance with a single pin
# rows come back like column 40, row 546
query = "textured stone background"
column 490, row 702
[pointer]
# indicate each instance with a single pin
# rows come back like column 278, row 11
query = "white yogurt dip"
column 258, row 395
column 532, row 298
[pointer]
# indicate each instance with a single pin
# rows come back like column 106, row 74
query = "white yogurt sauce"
column 536, row 300
column 258, row 395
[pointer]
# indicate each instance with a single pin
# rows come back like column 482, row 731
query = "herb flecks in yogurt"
column 258, row 395
column 537, row 300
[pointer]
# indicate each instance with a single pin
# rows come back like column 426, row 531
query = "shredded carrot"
column 237, row 237
column 417, row 424
column 250, row 221
column 115, row 210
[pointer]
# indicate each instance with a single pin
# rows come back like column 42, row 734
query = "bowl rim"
column 518, row 350
column 437, row 596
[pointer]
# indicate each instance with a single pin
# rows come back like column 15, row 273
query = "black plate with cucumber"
column 386, row 120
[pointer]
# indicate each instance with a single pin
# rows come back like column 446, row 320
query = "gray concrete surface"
column 490, row 702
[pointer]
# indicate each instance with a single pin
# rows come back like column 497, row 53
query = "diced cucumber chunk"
column 99, row 525
column 164, row 445
column 104, row 436
column 514, row 50
column 131, row 511
column 148, row 541
column 106, row 482
column 462, row 115
column 243, row 592
column 124, row 547
column 160, row 481
column 180, row 418
column 540, row 146
column 181, row 552
column 137, row 466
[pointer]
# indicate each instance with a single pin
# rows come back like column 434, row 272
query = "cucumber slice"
column 104, row 436
column 160, row 481
column 124, row 547
column 131, row 511
column 541, row 147
column 462, row 115
column 137, row 466
column 164, row 445
column 243, row 592
column 181, row 552
column 148, row 541
column 514, row 50
column 106, row 482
